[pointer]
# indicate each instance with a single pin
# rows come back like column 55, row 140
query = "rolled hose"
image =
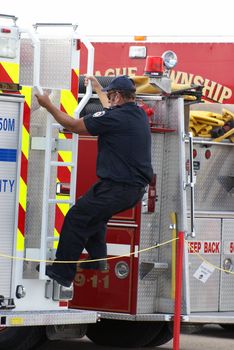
column 104, row 81
column 93, row 105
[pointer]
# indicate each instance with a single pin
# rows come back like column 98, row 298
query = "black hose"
column 92, row 107
column 104, row 81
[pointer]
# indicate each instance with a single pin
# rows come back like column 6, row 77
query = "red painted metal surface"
column 103, row 290
column 98, row 290
column 208, row 64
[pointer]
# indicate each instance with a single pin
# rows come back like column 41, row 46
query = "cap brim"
column 106, row 88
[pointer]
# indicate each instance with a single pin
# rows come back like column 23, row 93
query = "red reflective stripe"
column 63, row 303
column 74, row 84
column 24, row 167
column 4, row 76
column 59, row 218
column 21, row 219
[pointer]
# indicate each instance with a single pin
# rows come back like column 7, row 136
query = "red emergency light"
column 5, row 30
column 154, row 65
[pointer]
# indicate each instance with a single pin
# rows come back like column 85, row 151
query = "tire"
column 228, row 327
column 164, row 336
column 21, row 338
column 131, row 334
column 189, row 328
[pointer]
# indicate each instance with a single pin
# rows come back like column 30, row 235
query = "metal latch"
column 6, row 303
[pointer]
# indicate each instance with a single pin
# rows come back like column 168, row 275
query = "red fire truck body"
column 207, row 63
column 123, row 292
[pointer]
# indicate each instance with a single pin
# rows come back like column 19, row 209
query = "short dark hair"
column 127, row 94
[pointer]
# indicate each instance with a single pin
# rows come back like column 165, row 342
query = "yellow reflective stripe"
column 20, row 241
column 56, row 234
column 12, row 70
column 64, row 207
column 27, row 92
column 23, row 193
column 65, row 155
column 25, row 141
column 68, row 102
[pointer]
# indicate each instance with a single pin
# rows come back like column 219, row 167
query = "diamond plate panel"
column 37, row 318
column 55, row 63
column 205, row 296
column 227, row 280
column 26, row 62
column 154, row 294
column 214, row 188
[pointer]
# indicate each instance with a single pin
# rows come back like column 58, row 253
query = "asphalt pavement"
column 211, row 337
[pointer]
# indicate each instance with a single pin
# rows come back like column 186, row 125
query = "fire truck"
column 32, row 153
column 42, row 171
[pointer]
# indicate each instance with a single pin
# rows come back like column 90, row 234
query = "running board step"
column 151, row 269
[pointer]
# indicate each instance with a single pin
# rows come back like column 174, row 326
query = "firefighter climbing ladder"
column 66, row 144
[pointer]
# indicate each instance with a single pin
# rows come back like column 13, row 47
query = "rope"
column 12, row 257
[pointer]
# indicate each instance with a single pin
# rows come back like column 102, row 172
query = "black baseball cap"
column 122, row 82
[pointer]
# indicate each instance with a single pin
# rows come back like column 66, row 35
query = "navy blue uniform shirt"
column 124, row 144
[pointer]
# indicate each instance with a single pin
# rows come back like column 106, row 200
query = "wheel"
column 21, row 338
column 123, row 333
column 189, row 328
column 228, row 327
column 164, row 336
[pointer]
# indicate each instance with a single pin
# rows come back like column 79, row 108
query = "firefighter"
column 123, row 168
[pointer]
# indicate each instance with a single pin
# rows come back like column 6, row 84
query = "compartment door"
column 10, row 121
column 227, row 263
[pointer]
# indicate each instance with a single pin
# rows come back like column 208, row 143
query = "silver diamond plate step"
column 38, row 318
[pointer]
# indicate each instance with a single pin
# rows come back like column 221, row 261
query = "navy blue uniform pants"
column 85, row 223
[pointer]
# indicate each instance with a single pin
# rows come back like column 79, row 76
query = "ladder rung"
column 56, row 125
column 54, row 163
column 52, row 239
column 67, row 201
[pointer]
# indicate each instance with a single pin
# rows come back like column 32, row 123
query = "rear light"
column 208, row 154
column 194, row 153
column 5, row 30
column 63, row 189
column 150, row 197
column 78, row 44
